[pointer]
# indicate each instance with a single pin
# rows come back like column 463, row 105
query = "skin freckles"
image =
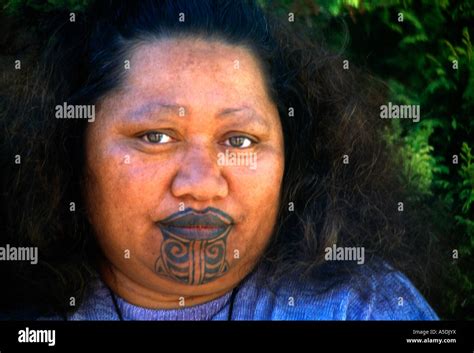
column 144, row 159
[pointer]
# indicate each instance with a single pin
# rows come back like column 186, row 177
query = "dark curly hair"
column 335, row 119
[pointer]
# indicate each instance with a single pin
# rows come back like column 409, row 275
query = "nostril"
column 199, row 176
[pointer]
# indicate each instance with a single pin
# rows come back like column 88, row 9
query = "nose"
column 199, row 177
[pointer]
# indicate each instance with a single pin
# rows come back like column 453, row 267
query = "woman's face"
column 184, row 169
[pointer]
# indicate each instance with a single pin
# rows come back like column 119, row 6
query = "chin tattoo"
column 194, row 246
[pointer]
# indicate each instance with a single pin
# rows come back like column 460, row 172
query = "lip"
column 197, row 225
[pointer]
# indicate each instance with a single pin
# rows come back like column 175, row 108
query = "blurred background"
column 423, row 52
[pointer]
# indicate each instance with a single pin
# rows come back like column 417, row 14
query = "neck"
column 139, row 295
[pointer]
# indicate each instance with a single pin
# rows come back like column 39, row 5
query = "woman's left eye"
column 155, row 137
column 239, row 142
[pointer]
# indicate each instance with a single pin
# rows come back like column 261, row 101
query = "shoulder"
column 364, row 293
column 394, row 297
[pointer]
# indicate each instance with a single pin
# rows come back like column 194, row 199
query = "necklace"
column 229, row 315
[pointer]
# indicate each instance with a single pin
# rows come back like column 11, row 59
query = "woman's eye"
column 156, row 137
column 239, row 142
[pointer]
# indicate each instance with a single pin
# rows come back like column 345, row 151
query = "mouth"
column 197, row 225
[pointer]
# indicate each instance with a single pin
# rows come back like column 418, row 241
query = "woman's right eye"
column 157, row 138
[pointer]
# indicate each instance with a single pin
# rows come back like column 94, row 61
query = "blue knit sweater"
column 381, row 296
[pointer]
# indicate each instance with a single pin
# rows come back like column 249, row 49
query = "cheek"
column 124, row 194
column 258, row 185
column 257, row 192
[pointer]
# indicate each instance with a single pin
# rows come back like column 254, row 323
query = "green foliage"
column 466, row 192
column 419, row 165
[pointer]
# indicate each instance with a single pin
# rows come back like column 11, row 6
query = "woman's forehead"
column 189, row 64
column 193, row 75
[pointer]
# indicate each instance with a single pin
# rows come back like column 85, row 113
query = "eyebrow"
column 149, row 107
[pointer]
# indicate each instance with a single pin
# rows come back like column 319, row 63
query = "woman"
column 218, row 166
